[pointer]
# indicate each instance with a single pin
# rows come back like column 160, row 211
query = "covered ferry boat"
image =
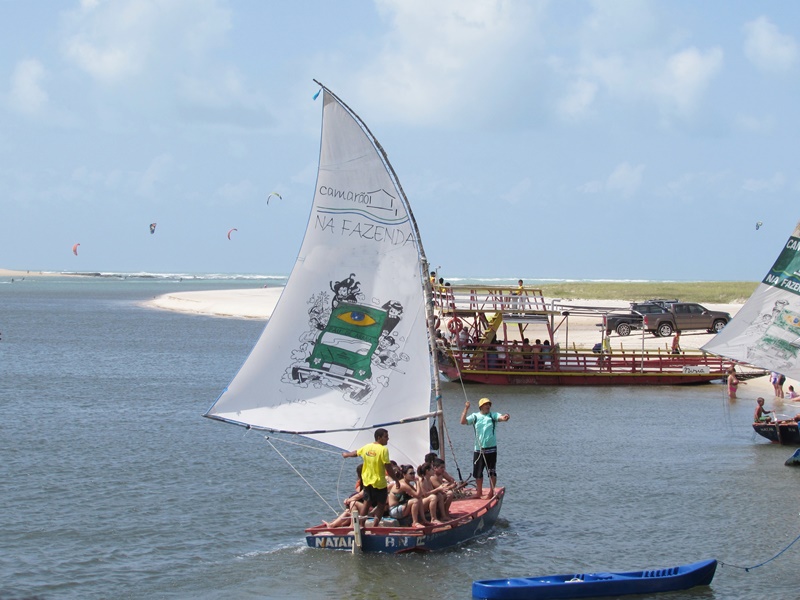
column 488, row 335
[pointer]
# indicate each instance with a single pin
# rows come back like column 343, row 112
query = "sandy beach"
column 254, row 303
column 582, row 330
column 21, row 274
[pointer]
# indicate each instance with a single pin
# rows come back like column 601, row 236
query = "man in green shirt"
column 485, row 455
column 376, row 464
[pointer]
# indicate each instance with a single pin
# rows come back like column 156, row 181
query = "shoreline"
column 246, row 303
column 583, row 330
column 32, row 273
column 259, row 303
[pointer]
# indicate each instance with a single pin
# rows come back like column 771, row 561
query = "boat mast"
column 423, row 263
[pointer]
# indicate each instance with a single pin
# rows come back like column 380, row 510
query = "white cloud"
column 520, row 191
column 774, row 184
column 114, row 41
column 625, row 180
column 578, row 100
column 619, row 24
column 625, row 56
column 685, row 77
column 767, row 48
column 27, row 95
column 751, row 124
column 155, row 172
column 442, row 54
column 234, row 193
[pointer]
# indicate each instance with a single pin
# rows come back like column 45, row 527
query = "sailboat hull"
column 472, row 518
column 782, row 432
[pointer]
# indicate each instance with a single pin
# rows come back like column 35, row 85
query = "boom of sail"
column 347, row 347
column 766, row 330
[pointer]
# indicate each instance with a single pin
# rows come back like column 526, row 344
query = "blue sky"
column 569, row 139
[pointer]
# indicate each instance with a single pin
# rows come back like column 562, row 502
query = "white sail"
column 766, row 330
column 346, row 350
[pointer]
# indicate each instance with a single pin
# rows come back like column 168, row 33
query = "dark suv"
column 682, row 316
column 624, row 323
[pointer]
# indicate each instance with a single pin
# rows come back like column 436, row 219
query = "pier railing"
column 515, row 359
column 461, row 300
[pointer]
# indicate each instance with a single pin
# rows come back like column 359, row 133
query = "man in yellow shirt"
column 376, row 466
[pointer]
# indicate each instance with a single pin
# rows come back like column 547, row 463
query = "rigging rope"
column 266, row 437
column 724, row 564
column 466, row 399
column 452, row 449
column 308, row 483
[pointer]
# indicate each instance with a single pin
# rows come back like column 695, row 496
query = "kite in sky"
column 75, row 249
column 276, row 194
column 758, row 225
column 153, row 227
column 231, row 231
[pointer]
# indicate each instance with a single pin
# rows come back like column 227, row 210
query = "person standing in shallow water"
column 676, row 343
column 485, row 456
column 733, row 383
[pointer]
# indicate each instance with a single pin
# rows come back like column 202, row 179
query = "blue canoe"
column 589, row 585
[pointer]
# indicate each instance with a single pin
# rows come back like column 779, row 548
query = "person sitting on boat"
column 527, row 354
column 442, row 479
column 376, row 466
column 353, row 502
column 485, row 455
column 537, row 355
column 405, row 500
column 516, row 357
column 761, row 412
column 432, row 502
column 430, row 457
column 547, row 354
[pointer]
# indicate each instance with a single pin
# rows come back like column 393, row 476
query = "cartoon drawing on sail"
column 781, row 340
column 355, row 337
column 346, row 290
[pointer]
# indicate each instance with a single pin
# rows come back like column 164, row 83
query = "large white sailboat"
column 349, row 346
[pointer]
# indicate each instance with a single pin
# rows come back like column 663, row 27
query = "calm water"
column 114, row 486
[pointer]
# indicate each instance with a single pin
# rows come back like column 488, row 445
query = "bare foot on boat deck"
column 436, row 522
column 418, row 525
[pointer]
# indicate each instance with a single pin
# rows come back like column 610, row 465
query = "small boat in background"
column 486, row 335
column 589, row 585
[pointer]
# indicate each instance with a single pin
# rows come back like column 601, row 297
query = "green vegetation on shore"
column 716, row 292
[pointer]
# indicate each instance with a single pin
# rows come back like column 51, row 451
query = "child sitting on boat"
column 761, row 412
